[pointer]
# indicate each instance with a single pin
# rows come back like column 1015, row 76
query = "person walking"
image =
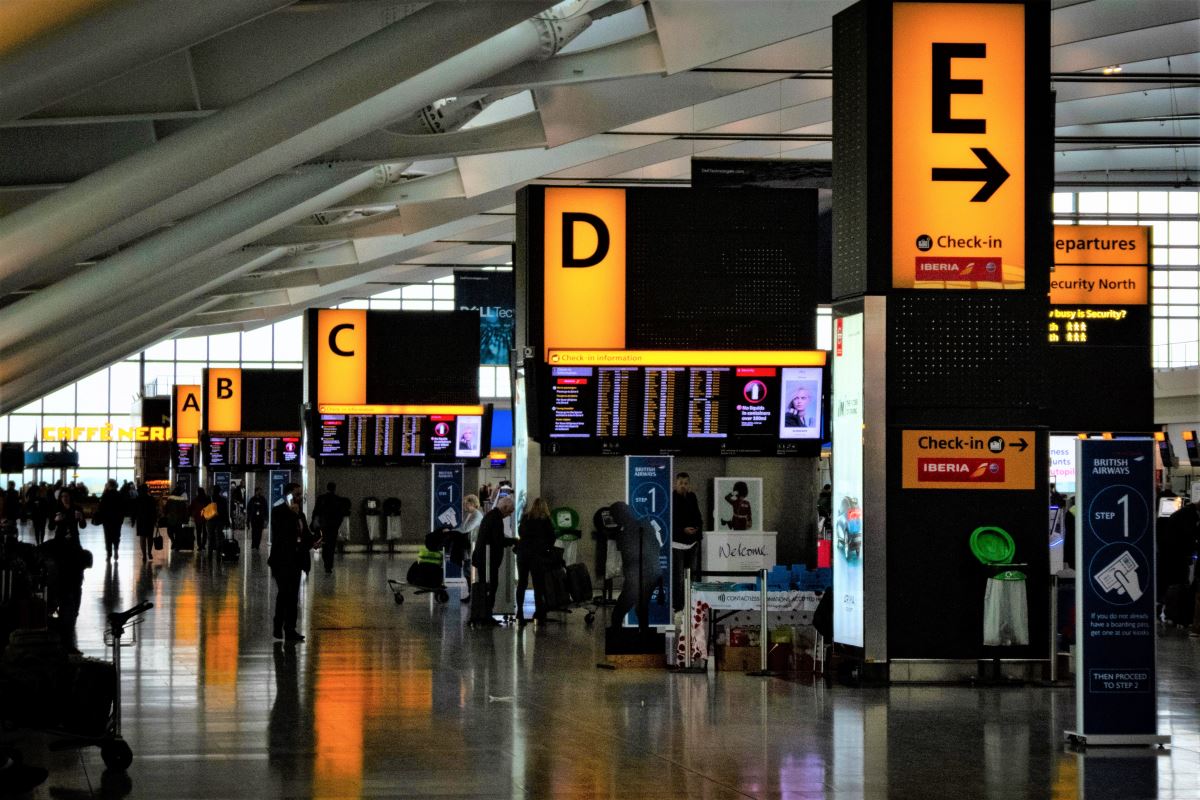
column 328, row 514
column 533, row 552
column 640, row 573
column 489, row 554
column 145, row 520
column 196, row 509
column 38, row 509
column 111, row 516
column 175, row 512
column 256, row 516
column 290, row 545
column 69, row 560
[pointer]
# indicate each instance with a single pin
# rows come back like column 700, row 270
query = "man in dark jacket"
column 111, row 516
column 290, row 543
column 328, row 514
column 489, row 552
column 686, row 524
column 256, row 516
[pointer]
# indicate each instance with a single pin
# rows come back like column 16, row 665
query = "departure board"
column 397, row 438
column 715, row 410
column 250, row 451
column 185, row 455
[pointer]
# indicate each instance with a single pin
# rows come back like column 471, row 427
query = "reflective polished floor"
column 405, row 701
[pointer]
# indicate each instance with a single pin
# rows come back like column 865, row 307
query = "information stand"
column 445, row 509
column 1115, row 693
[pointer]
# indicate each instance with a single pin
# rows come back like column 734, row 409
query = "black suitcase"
column 579, row 583
column 185, row 539
column 230, row 549
column 424, row 575
column 480, row 613
column 556, row 589
column 1180, row 606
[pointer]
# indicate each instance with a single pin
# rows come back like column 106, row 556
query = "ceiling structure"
column 256, row 157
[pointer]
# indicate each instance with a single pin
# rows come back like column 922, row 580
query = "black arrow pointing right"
column 992, row 174
column 1020, row 444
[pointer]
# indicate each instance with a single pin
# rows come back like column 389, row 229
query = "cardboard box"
column 738, row 659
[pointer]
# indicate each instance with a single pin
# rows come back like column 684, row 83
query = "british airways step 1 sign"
column 1114, row 593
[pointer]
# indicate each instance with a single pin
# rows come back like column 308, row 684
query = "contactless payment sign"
column 958, row 146
column 968, row 459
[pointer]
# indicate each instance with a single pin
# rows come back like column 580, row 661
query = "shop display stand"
column 763, row 643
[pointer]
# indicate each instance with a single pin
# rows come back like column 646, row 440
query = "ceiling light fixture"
column 1113, row 70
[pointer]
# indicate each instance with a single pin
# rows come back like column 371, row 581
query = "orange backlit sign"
column 341, row 338
column 223, row 400
column 1102, row 245
column 1101, row 265
column 958, row 146
column 584, row 268
column 968, row 459
column 1099, row 286
column 188, row 417
column 687, row 358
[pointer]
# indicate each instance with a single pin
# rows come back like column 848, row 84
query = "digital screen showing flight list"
column 251, row 451
column 397, row 438
column 692, row 409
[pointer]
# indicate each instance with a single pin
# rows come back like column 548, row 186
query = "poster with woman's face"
column 737, row 504
column 800, row 417
column 469, row 445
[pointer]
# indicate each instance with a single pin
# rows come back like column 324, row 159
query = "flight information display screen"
column 697, row 408
column 185, row 455
column 250, row 451
column 355, row 438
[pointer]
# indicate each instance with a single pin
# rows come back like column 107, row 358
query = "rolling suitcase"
column 185, row 539
column 480, row 613
column 579, row 583
column 1180, row 606
column 556, row 589
column 230, row 549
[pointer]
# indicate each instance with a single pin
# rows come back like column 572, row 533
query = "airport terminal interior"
column 600, row 398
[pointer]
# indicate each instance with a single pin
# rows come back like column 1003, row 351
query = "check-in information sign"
column 969, row 459
column 1114, row 634
column 958, row 146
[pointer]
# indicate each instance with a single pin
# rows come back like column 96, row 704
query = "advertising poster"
column 222, row 482
column 649, row 482
column 276, row 480
column 800, row 417
column 1114, row 552
column 493, row 295
column 470, row 437
column 847, row 426
column 445, row 504
column 737, row 504
column 1062, row 463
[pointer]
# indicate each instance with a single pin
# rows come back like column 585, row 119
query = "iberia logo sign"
column 960, row 470
column 951, row 268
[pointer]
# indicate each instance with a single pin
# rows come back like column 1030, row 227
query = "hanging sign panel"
column 969, row 459
column 958, row 146
column 1114, row 593
column 188, row 418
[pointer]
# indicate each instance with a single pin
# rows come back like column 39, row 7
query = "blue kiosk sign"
column 648, row 490
column 1114, row 633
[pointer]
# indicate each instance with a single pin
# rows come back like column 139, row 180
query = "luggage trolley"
column 427, row 573
column 114, row 750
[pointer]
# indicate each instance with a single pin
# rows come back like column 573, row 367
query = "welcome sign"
column 746, row 551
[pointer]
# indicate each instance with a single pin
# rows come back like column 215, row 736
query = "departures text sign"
column 958, row 146
column 969, row 459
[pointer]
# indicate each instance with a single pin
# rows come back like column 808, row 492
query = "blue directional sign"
column 648, row 490
column 1114, row 554
column 445, row 504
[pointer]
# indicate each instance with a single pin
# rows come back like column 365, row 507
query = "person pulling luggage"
column 487, row 558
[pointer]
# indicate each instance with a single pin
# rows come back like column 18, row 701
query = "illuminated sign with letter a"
column 584, row 268
column 188, row 418
column 341, row 339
